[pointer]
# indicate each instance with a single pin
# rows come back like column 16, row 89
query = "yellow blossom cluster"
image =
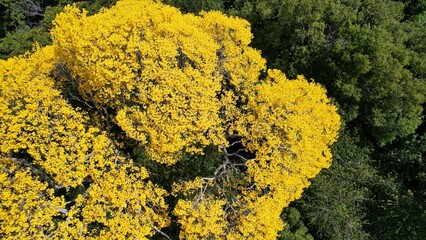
column 289, row 125
column 201, row 219
column 172, row 83
column 27, row 206
column 118, row 205
column 35, row 119
column 160, row 70
column 43, row 138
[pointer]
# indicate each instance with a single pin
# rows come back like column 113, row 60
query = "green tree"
column 10, row 17
column 334, row 206
column 25, row 23
column 196, row 6
column 357, row 49
column 295, row 228
column 415, row 10
column 398, row 206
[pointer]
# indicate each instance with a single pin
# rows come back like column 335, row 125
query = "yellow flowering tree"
column 144, row 76
column 48, row 151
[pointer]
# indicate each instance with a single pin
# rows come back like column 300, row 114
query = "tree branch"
column 161, row 232
column 29, row 8
column 38, row 173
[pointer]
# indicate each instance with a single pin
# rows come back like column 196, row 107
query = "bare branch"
column 161, row 232
column 207, row 179
column 38, row 173
column 238, row 155
column 63, row 210
column 236, row 142
column 29, row 8
column 231, row 136
column 73, row 97
column 102, row 110
column 216, row 172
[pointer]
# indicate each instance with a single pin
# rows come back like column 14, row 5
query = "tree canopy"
column 175, row 87
column 360, row 50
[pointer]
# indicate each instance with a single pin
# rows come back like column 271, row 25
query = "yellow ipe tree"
column 143, row 75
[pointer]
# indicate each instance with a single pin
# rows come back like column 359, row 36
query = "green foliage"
column 195, row 6
column 415, row 10
column 19, row 42
column 405, row 158
column 357, row 49
column 94, row 6
column 10, row 17
column 19, row 32
column 49, row 15
column 295, row 228
column 398, row 209
column 188, row 168
column 333, row 206
column 396, row 213
column 373, row 62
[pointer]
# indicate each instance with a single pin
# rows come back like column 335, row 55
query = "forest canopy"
column 140, row 120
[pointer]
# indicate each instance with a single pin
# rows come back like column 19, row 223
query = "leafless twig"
column 37, row 172
column 29, row 8
column 161, row 232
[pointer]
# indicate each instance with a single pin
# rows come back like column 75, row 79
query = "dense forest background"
column 371, row 57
